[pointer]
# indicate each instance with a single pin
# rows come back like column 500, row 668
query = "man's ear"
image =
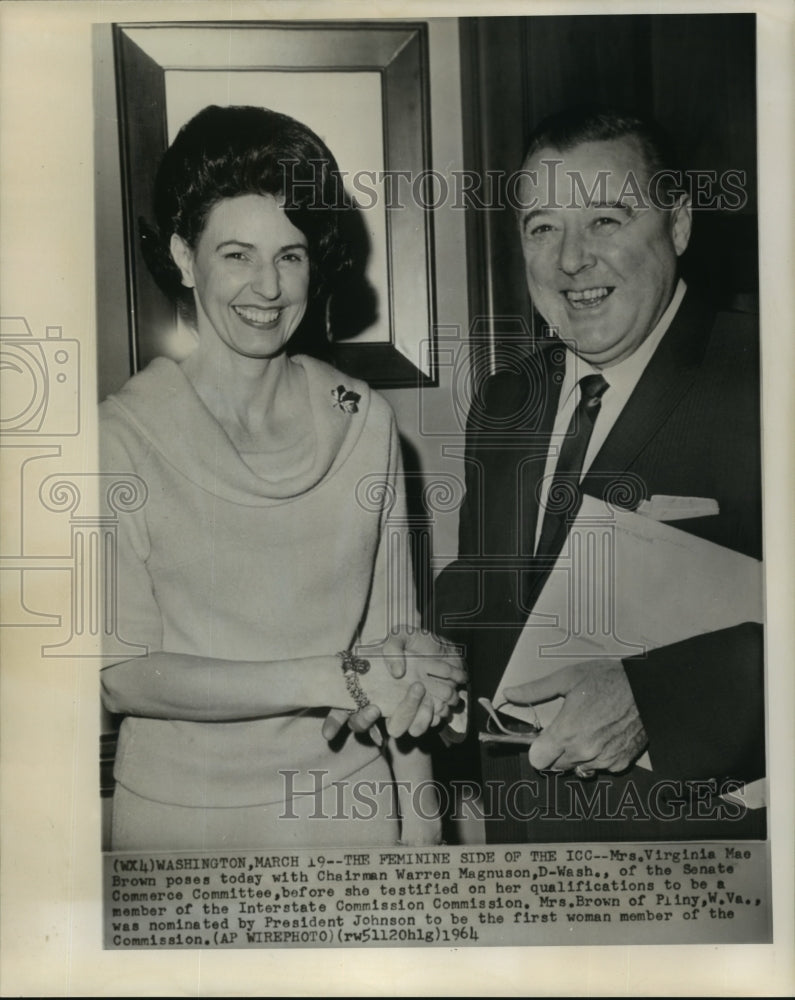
column 182, row 255
column 681, row 224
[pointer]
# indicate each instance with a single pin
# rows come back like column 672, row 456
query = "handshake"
column 414, row 683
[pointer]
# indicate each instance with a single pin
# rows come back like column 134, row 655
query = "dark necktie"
column 564, row 497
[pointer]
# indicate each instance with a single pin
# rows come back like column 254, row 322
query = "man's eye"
column 606, row 222
column 541, row 230
column 235, row 255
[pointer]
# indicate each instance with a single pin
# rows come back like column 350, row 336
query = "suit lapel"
column 666, row 379
column 552, row 359
column 511, row 450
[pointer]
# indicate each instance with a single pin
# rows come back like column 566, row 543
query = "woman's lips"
column 587, row 298
column 256, row 316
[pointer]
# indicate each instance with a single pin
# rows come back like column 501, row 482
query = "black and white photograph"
column 398, row 546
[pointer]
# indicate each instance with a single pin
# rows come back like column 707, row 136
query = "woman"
column 258, row 565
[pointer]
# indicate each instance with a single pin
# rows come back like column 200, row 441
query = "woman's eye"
column 294, row 257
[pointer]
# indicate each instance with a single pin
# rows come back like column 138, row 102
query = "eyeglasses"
column 503, row 728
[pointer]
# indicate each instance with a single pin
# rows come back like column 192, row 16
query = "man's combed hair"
column 226, row 152
column 575, row 126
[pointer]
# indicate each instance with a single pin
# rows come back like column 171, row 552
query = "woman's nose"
column 575, row 254
column 266, row 281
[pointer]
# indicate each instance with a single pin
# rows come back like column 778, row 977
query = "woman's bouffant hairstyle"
column 232, row 151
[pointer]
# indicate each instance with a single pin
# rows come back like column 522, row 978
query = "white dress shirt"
column 621, row 379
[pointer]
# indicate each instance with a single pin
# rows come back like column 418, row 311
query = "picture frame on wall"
column 363, row 87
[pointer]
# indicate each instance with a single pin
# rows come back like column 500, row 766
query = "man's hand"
column 413, row 715
column 597, row 729
column 427, row 645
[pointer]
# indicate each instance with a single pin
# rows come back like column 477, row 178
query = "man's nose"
column 266, row 281
column 575, row 254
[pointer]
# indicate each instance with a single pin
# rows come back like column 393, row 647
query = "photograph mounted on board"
column 296, row 658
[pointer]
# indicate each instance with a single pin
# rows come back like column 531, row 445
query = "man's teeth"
column 253, row 315
column 587, row 297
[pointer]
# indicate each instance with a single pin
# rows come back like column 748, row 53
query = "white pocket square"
column 668, row 508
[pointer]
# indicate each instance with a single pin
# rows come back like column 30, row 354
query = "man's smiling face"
column 600, row 263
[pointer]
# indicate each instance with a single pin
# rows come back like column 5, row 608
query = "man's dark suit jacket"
column 690, row 428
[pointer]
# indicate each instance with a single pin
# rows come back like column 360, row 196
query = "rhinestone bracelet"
column 352, row 666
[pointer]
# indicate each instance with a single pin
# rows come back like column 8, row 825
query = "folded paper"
column 625, row 583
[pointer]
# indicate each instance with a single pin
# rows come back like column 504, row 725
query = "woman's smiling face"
column 250, row 275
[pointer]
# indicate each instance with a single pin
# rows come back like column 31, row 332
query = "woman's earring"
column 329, row 332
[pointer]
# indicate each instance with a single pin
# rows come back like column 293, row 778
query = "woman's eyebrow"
column 236, row 243
column 252, row 246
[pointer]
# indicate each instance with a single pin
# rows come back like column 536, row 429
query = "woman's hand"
column 428, row 662
column 391, row 674
column 432, row 669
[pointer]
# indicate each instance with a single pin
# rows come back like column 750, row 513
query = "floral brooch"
column 345, row 399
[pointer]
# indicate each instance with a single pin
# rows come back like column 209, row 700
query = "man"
column 652, row 389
